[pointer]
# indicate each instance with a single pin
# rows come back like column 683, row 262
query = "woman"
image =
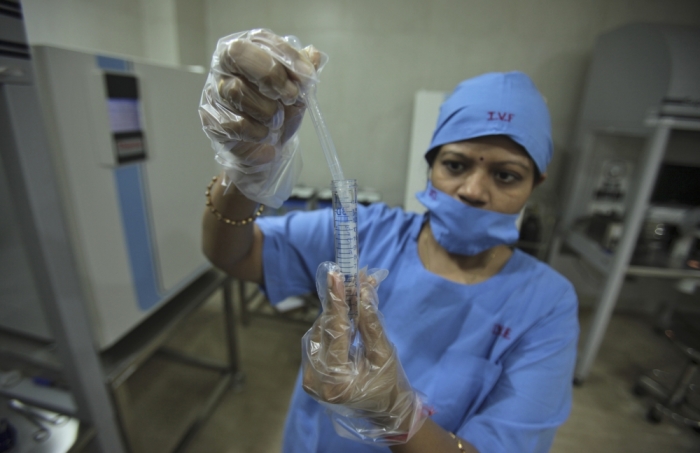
column 468, row 344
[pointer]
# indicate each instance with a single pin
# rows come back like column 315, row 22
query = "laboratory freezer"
column 133, row 164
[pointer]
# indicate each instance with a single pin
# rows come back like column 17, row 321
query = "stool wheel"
column 654, row 415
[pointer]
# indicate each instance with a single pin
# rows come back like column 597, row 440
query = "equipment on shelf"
column 641, row 105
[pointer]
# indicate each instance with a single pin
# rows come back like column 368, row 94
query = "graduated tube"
column 346, row 246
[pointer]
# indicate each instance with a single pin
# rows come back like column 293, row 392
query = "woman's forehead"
column 496, row 145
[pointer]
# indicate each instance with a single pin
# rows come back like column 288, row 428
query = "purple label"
column 124, row 115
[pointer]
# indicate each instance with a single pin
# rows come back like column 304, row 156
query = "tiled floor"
column 606, row 416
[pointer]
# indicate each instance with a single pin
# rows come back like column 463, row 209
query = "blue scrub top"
column 495, row 359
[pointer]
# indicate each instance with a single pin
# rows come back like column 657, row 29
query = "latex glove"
column 360, row 380
column 251, row 108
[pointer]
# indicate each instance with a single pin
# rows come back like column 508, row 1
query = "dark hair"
column 431, row 155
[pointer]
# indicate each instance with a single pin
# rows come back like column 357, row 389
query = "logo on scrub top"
column 501, row 331
column 432, row 194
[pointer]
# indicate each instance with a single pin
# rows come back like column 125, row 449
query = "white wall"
column 132, row 28
column 192, row 33
column 159, row 29
column 110, row 26
column 383, row 51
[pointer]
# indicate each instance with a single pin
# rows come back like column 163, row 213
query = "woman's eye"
column 506, row 177
column 453, row 166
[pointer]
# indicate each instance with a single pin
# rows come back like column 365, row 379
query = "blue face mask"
column 464, row 230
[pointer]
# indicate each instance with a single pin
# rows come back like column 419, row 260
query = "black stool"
column 674, row 401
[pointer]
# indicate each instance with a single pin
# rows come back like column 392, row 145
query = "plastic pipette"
column 344, row 210
column 324, row 136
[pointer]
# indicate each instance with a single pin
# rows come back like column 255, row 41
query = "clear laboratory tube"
column 344, row 209
column 324, row 136
column 346, row 245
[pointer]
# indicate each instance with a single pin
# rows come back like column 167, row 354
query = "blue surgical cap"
column 497, row 104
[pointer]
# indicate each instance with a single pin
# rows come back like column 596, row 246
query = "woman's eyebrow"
column 455, row 154
column 500, row 162
column 514, row 162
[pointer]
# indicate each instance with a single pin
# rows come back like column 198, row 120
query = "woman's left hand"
column 360, row 380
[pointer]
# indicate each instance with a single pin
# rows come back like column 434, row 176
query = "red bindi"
column 481, row 158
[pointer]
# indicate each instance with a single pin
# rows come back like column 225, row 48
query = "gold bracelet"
column 459, row 442
column 223, row 219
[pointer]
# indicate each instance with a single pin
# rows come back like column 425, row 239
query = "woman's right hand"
column 251, row 103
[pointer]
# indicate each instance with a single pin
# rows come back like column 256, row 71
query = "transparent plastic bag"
column 358, row 378
column 251, row 109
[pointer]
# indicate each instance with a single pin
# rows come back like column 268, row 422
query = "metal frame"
column 616, row 266
column 124, row 358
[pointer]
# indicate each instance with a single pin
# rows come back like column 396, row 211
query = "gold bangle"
column 220, row 216
column 459, row 442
